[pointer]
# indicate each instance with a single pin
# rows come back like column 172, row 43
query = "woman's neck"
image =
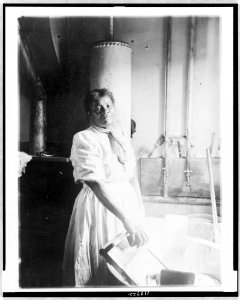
column 101, row 129
column 107, row 127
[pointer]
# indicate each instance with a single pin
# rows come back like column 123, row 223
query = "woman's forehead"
column 103, row 101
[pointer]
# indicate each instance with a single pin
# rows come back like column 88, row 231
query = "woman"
column 110, row 200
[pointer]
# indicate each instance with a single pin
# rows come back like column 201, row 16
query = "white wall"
column 147, row 38
column 205, row 104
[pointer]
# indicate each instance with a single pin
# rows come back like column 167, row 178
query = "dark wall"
column 47, row 194
column 59, row 52
column 66, row 108
column 26, row 92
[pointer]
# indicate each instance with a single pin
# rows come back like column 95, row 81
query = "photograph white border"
column 11, row 275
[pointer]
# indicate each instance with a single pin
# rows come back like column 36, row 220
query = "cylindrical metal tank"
column 38, row 121
column 110, row 67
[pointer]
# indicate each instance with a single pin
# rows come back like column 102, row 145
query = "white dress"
column 92, row 225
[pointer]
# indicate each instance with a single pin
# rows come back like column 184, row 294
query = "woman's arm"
column 104, row 195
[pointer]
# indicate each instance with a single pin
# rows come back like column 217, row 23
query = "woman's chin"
column 105, row 124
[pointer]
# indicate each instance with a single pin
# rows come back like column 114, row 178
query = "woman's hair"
column 96, row 94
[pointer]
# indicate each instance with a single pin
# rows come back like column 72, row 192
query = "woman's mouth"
column 104, row 117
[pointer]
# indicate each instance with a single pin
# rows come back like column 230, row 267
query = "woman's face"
column 102, row 112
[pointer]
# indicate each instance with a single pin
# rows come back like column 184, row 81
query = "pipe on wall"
column 191, row 52
column 38, row 121
column 166, row 89
column 38, row 125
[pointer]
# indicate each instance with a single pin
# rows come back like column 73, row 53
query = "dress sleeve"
column 86, row 158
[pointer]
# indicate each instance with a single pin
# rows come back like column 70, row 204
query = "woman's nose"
column 104, row 110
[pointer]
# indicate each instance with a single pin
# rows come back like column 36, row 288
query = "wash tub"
column 178, row 244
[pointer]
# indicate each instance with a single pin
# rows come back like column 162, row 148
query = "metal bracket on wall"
column 187, row 173
column 165, row 175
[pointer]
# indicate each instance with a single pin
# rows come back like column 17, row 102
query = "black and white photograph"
column 119, row 149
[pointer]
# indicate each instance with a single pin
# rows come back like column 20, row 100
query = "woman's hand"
column 137, row 236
